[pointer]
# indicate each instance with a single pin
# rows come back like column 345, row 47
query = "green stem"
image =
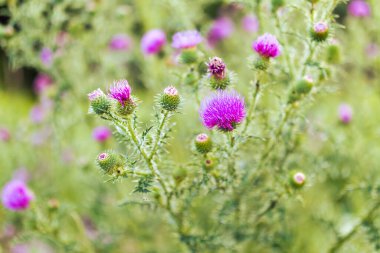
column 158, row 135
column 252, row 107
column 340, row 242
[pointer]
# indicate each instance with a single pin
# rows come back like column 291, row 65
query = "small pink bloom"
column 345, row 113
column 46, row 56
column 101, row 133
column 186, row 39
column 16, row 196
column 5, row 136
column 41, row 82
column 250, row 23
column 120, row 42
column 267, row 46
column 153, row 41
column 221, row 29
column 359, row 8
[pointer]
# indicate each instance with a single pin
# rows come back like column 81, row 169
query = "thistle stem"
column 252, row 106
column 158, row 135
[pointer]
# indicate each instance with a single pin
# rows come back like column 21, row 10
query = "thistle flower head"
column 41, row 82
column 186, row 39
column 297, row 179
column 221, row 29
column 320, row 31
column 216, row 67
column 267, row 46
column 16, row 196
column 223, row 109
column 250, row 23
column 203, row 143
column 345, row 113
column 153, row 41
column 121, row 91
column 170, row 99
column 101, row 133
column 95, row 94
column 119, row 42
column 359, row 8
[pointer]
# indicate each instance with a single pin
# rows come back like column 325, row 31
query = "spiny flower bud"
column 297, row 179
column 218, row 73
column 320, row 31
column 209, row 163
column 261, row 63
column 188, row 56
column 179, row 175
column 203, row 143
column 110, row 162
column 333, row 53
column 99, row 102
column 345, row 113
column 300, row 89
column 121, row 92
column 170, row 99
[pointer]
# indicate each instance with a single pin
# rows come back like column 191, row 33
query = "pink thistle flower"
column 250, row 23
column 119, row 42
column 153, row 41
column 41, row 82
column 16, row 196
column 186, row 39
column 46, row 56
column 345, row 113
column 359, row 8
column 37, row 114
column 267, row 46
column 223, row 109
column 121, row 91
column 101, row 133
column 5, row 136
column 221, row 29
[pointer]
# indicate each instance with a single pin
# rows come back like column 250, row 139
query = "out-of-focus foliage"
column 76, row 210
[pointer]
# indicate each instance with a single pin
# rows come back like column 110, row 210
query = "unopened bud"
column 203, row 143
column 297, row 179
column 320, row 31
column 189, row 56
column 301, row 88
column 99, row 102
column 170, row 99
column 110, row 162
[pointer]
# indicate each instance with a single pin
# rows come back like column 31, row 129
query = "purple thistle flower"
column 250, row 23
column 186, row 39
column 267, row 46
column 41, row 82
column 119, row 42
column 223, row 109
column 37, row 114
column 359, row 8
column 345, row 113
column 221, row 29
column 101, row 133
column 217, row 67
column 153, row 41
column 16, row 196
column 121, row 91
column 321, row 27
column 46, row 56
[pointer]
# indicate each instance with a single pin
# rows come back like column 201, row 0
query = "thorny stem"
column 341, row 240
column 158, row 135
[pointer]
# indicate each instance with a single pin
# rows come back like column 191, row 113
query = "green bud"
column 219, row 84
column 99, row 102
column 320, row 32
column 110, row 163
column 203, row 143
column 297, row 179
column 126, row 109
column 189, row 56
column 190, row 78
column 170, row 99
column 209, row 163
column 333, row 53
column 261, row 63
column 300, row 89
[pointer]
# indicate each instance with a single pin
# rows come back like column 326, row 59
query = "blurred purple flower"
column 5, row 136
column 121, row 91
column 37, row 114
column 95, row 94
column 186, row 39
column 46, row 56
column 153, row 41
column 250, row 23
column 119, row 42
column 33, row 246
column 345, row 113
column 359, row 8
column 223, row 109
column 41, row 82
column 16, row 196
column 101, row 133
column 221, row 29
column 267, row 46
